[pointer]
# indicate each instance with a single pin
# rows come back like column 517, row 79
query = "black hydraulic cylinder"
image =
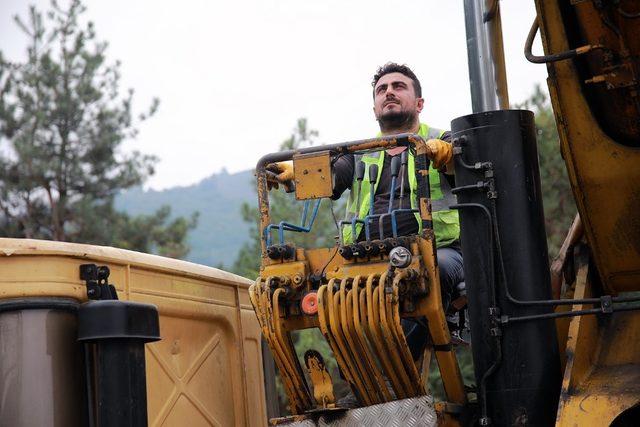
column 115, row 333
column 517, row 366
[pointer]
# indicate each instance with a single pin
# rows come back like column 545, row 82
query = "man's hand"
column 281, row 173
column 440, row 153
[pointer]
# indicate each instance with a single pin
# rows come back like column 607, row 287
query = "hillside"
column 220, row 232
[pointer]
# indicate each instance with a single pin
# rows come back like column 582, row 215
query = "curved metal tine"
column 363, row 318
column 353, row 315
column 285, row 341
column 289, row 367
column 265, row 302
column 301, row 376
column 254, row 296
column 362, row 300
column 288, row 386
column 334, row 323
column 392, row 348
column 323, row 320
column 357, row 353
column 281, row 335
column 393, row 311
column 256, row 307
column 257, row 300
column 373, row 320
column 257, row 292
column 389, row 348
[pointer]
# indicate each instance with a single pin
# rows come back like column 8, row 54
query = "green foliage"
column 64, row 121
column 559, row 205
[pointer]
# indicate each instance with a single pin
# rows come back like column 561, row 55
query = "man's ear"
column 419, row 105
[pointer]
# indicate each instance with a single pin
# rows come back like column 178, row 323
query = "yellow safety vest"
column 446, row 223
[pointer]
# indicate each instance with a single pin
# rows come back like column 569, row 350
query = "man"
column 398, row 101
column 397, row 104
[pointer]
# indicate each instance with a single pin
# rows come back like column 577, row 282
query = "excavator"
column 95, row 336
column 542, row 354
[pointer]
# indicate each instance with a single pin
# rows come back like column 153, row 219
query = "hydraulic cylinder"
column 506, row 265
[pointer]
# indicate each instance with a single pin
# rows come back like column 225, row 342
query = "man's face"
column 395, row 102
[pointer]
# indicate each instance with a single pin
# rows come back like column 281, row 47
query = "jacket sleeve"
column 343, row 165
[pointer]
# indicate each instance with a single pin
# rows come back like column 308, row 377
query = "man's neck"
column 409, row 128
column 413, row 128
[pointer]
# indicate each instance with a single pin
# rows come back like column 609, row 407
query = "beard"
column 397, row 120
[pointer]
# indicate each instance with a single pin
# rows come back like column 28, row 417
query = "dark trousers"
column 451, row 273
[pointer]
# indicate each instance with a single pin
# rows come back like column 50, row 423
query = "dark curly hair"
column 392, row 67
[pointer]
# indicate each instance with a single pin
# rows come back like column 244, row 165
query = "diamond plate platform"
column 413, row 412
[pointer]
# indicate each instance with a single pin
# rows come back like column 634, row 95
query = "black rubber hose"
column 573, row 313
column 628, row 15
column 494, row 303
column 528, row 46
column 552, row 302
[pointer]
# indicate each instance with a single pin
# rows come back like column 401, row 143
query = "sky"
column 233, row 77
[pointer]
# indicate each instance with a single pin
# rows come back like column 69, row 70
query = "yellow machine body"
column 360, row 302
column 206, row 370
column 599, row 129
column 596, row 102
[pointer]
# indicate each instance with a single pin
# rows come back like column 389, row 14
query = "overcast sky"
column 233, row 76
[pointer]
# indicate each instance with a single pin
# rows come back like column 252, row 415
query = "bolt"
column 484, row 421
column 400, row 257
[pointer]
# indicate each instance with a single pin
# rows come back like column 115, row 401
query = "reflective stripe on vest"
column 445, row 221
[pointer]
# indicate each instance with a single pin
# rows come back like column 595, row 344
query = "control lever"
column 373, row 178
column 395, row 168
column 373, row 174
column 360, row 166
column 404, row 158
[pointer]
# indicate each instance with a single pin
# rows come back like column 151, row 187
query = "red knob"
column 309, row 303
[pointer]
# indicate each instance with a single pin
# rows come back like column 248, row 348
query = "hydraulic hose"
column 567, row 54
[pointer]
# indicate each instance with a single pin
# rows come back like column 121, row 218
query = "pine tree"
column 64, row 121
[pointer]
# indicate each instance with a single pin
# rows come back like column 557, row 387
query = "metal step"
column 412, row 412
